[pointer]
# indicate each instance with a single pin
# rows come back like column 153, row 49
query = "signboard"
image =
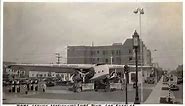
column 115, row 85
column 88, row 86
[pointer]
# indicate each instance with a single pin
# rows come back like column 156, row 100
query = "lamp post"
column 140, row 11
column 126, row 71
column 136, row 46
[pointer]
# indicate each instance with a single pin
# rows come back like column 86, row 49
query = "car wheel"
column 79, row 89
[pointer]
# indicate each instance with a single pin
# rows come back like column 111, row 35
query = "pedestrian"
column 44, row 87
column 31, row 85
column 123, row 81
column 13, row 86
column 25, row 88
column 36, row 85
column 18, row 87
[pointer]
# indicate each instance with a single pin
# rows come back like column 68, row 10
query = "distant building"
column 179, row 71
column 116, row 53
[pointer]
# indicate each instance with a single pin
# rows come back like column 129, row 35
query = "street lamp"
column 126, row 72
column 140, row 11
column 136, row 46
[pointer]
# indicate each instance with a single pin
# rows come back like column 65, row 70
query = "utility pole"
column 58, row 58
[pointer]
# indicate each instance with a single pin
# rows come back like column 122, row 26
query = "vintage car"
column 174, row 87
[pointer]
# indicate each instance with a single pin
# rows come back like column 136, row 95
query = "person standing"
column 26, row 86
column 44, row 87
column 36, row 85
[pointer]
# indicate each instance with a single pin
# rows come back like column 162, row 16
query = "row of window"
column 106, row 52
column 107, row 60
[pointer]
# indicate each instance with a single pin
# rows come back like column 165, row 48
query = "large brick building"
column 116, row 53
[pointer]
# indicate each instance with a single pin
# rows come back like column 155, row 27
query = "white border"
column 92, row 0
column 1, row 37
column 183, row 53
column 1, row 54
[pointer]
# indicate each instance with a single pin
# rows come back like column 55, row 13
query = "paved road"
column 62, row 93
column 117, row 96
column 179, row 94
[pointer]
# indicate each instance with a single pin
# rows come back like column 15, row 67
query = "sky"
column 34, row 32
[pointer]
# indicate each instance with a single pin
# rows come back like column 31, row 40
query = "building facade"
column 116, row 53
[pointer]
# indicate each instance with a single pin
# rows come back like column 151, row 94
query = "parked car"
column 179, row 80
column 150, row 80
column 165, row 87
column 166, row 100
column 101, row 85
column 174, row 87
column 50, row 84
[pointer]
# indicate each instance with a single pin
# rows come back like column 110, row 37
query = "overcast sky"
column 34, row 32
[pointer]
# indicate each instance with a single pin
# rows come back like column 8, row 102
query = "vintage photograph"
column 92, row 52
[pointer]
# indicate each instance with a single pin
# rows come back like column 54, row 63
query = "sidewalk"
column 154, row 97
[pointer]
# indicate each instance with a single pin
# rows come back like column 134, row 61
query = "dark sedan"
column 174, row 87
column 50, row 84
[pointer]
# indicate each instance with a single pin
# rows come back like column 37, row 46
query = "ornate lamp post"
column 140, row 11
column 126, row 71
column 136, row 46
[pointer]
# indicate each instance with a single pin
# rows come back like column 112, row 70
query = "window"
column 112, row 59
column 97, row 52
column 112, row 52
column 104, row 52
column 133, row 77
column 98, row 59
column 130, row 58
column 117, row 52
column 91, row 53
column 129, row 51
column 106, row 60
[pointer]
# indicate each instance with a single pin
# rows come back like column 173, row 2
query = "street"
column 179, row 94
column 61, row 92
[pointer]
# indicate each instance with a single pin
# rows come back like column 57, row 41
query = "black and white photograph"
column 92, row 53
